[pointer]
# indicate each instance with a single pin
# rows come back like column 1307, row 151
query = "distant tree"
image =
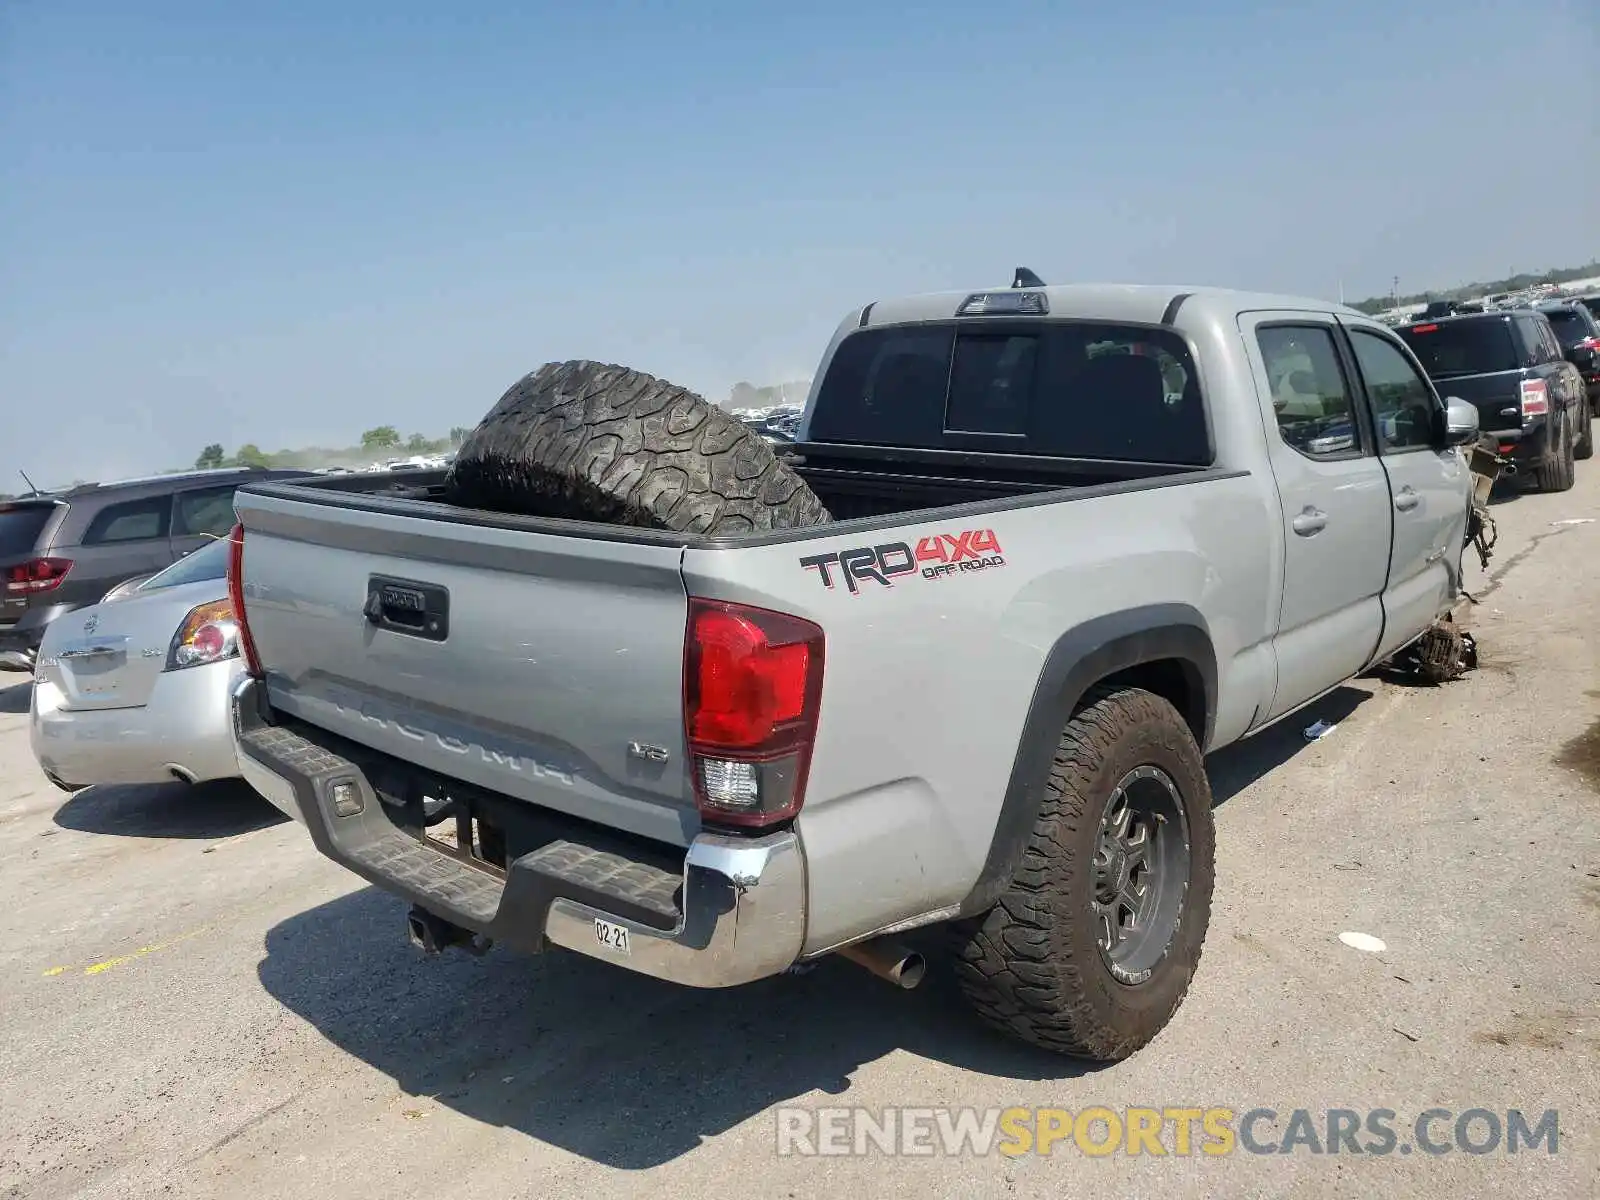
column 211, row 457
column 419, row 443
column 384, row 437
column 251, row 455
column 458, row 434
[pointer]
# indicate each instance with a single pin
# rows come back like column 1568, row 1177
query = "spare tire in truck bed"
column 596, row 442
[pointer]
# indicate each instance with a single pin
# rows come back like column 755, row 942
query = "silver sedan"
column 135, row 689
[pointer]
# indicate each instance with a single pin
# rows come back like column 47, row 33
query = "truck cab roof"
column 1152, row 304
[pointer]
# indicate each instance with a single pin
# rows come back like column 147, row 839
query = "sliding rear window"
column 1061, row 389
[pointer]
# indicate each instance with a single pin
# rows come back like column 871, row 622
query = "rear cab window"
column 1451, row 349
column 1062, row 389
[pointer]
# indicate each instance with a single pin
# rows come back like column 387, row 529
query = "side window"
column 209, row 511
column 1403, row 404
column 1533, row 347
column 1309, row 393
column 1552, row 344
column 135, row 521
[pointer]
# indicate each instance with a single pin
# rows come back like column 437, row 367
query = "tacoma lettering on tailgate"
column 936, row 557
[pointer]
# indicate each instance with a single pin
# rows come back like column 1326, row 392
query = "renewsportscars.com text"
column 1158, row 1132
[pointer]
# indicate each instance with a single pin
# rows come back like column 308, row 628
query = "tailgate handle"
column 408, row 607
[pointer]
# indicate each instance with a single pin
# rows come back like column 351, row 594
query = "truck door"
column 1334, row 499
column 1428, row 486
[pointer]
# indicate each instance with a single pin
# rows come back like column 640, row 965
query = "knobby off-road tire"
column 591, row 441
column 1559, row 472
column 1032, row 966
column 1585, row 446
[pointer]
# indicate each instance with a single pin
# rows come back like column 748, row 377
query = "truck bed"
column 852, row 482
column 543, row 658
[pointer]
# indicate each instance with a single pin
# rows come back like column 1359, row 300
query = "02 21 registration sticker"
column 612, row 936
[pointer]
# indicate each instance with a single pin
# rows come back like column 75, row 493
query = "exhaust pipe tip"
column 912, row 969
column 888, row 960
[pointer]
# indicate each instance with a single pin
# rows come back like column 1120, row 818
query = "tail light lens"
column 208, row 634
column 752, row 692
column 36, row 575
column 247, row 646
column 1535, row 399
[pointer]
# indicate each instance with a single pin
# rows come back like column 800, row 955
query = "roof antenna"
column 1026, row 278
column 32, row 490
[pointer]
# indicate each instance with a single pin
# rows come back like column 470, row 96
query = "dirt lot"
column 196, row 1004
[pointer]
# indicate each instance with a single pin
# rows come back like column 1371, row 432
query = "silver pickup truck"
column 1082, row 536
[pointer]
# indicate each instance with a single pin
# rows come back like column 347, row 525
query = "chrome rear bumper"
column 735, row 913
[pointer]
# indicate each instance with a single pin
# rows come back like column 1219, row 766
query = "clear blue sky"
column 285, row 226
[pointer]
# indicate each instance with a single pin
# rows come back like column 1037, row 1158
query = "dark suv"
column 1578, row 331
column 1529, row 398
column 66, row 550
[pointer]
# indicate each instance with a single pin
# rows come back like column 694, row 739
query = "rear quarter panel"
column 928, row 680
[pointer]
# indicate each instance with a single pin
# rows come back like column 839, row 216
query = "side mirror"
column 1460, row 422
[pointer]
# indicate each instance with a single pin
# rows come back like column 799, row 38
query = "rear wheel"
column 1559, row 471
column 1585, row 446
column 1091, row 949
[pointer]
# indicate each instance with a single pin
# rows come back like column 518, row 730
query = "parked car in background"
column 1530, row 399
column 1578, row 330
column 135, row 689
column 65, row 550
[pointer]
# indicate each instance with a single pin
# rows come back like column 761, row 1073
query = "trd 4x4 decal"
column 936, row 556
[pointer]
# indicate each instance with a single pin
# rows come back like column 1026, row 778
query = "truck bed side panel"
column 929, row 678
column 560, row 654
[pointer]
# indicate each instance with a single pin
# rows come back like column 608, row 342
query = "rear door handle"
column 1310, row 521
column 1406, row 499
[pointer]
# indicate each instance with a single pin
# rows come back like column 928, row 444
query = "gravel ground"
column 195, row 1003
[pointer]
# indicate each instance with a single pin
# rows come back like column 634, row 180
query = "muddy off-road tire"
column 1033, row 966
column 590, row 441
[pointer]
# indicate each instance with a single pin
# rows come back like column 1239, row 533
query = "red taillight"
column 36, row 575
column 208, row 634
column 752, row 692
column 1535, row 398
column 236, row 599
column 1424, row 329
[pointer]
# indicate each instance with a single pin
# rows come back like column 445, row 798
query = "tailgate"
column 544, row 667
